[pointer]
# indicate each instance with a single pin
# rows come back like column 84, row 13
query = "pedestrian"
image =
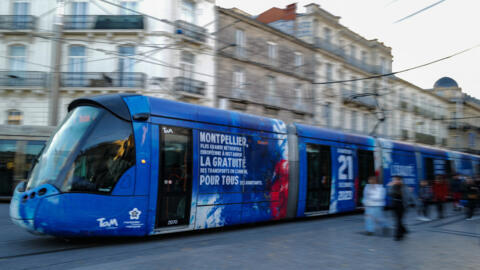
column 374, row 201
column 424, row 197
column 440, row 190
column 401, row 197
column 471, row 195
column 455, row 188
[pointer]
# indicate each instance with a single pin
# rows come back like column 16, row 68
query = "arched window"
column 14, row 117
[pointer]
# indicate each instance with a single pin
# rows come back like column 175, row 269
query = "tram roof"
column 333, row 135
column 125, row 105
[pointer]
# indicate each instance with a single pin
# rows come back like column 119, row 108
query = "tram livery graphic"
column 131, row 165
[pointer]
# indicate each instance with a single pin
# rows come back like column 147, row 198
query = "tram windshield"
column 89, row 152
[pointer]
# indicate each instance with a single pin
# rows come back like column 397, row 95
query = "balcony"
column 240, row 94
column 103, row 79
column 23, row 78
column 272, row 101
column 365, row 101
column 190, row 31
column 189, row 86
column 103, row 22
column 17, row 22
column 424, row 138
column 404, row 106
column 328, row 46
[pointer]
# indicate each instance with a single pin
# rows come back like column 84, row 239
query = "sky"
column 444, row 29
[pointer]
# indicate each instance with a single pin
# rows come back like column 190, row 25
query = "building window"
column 240, row 43
column 298, row 94
column 187, row 64
column 383, row 65
column 327, row 114
column 271, row 86
column 272, row 53
column 79, row 12
column 354, row 85
column 364, row 57
column 14, row 117
column 471, row 139
column 328, row 69
column 353, row 123
column 341, row 118
column 17, row 57
column 298, row 62
column 238, row 81
column 76, row 67
column 20, row 12
column 328, row 35
column 126, row 66
column 188, row 11
column 128, row 7
column 365, row 122
column 353, row 51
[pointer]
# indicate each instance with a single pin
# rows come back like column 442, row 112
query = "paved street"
column 320, row 243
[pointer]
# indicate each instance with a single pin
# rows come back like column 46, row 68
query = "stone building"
column 262, row 70
column 463, row 116
column 386, row 106
column 105, row 49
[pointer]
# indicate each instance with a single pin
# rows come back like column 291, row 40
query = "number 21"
column 346, row 163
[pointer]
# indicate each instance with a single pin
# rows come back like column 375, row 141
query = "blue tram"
column 131, row 165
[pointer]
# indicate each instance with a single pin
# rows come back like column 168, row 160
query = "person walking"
column 424, row 196
column 455, row 188
column 471, row 195
column 374, row 202
column 440, row 190
column 400, row 199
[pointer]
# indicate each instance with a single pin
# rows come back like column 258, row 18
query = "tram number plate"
column 173, row 222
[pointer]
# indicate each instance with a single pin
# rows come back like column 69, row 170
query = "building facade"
column 385, row 106
column 463, row 116
column 262, row 70
column 105, row 48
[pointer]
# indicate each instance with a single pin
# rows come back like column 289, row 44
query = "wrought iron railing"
column 191, row 31
column 103, row 22
column 22, row 78
column 188, row 85
column 17, row 22
column 103, row 79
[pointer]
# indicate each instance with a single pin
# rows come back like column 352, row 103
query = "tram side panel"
column 243, row 178
column 399, row 160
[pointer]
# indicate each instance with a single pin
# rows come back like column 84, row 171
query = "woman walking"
column 374, row 201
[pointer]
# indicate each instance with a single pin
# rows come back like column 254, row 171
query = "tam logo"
column 167, row 130
column 103, row 223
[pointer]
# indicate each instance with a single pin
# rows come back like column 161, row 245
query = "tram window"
column 7, row 166
column 318, row 177
column 32, row 149
column 103, row 158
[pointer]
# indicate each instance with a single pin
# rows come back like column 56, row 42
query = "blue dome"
column 445, row 82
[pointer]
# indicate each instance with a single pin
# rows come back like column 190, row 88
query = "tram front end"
column 83, row 182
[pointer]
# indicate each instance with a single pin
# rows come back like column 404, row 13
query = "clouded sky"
column 442, row 30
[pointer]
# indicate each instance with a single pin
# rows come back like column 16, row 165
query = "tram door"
column 366, row 168
column 175, row 177
column 429, row 168
column 319, row 178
